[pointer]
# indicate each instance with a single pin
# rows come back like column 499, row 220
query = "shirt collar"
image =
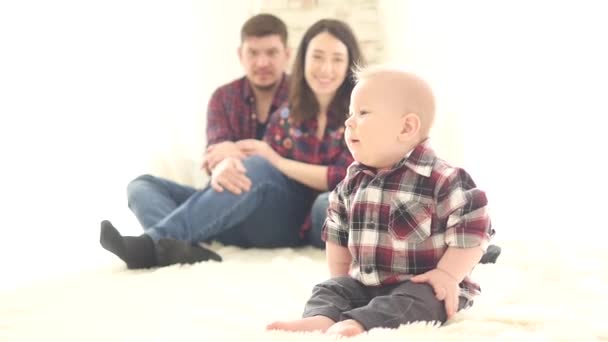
column 420, row 160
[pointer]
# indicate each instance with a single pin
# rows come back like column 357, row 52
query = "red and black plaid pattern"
column 231, row 113
column 298, row 141
column 398, row 223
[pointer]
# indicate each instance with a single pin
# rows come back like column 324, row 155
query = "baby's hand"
column 445, row 287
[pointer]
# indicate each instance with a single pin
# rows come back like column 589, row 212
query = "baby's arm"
column 338, row 259
column 335, row 234
column 459, row 262
column 467, row 233
column 454, row 265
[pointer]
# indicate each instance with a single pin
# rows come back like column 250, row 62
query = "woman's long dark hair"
column 302, row 100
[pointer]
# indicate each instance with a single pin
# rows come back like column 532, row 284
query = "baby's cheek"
column 348, row 145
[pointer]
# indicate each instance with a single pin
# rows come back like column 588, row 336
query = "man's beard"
column 265, row 88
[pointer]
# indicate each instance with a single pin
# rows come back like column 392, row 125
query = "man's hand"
column 229, row 174
column 260, row 148
column 445, row 287
column 220, row 151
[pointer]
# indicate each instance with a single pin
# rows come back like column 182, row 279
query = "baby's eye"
column 363, row 112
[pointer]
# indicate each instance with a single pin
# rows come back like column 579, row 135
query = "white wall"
column 521, row 88
column 93, row 94
column 416, row 39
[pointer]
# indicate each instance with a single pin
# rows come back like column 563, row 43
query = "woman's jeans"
column 318, row 215
column 268, row 215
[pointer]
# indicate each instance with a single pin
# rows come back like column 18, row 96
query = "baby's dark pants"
column 384, row 306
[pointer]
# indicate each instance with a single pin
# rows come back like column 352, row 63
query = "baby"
column 404, row 228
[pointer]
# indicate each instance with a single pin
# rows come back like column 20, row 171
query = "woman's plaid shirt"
column 298, row 141
column 398, row 223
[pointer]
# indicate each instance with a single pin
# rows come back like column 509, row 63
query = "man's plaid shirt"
column 231, row 113
column 399, row 222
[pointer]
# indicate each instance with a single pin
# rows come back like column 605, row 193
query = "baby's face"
column 374, row 124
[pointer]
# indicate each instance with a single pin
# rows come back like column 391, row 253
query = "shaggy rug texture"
column 534, row 293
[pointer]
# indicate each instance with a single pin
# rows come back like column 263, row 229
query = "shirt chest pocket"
column 410, row 221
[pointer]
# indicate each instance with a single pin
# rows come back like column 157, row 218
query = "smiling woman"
column 325, row 66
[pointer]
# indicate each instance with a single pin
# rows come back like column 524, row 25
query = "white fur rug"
column 531, row 294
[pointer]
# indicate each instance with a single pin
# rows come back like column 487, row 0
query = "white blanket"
column 534, row 293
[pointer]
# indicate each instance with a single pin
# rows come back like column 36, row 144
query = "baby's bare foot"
column 315, row 323
column 347, row 328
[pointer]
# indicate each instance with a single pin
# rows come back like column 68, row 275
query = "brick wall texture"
column 361, row 15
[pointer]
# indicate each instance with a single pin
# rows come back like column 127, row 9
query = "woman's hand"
column 260, row 148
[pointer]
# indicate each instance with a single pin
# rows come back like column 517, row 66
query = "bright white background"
column 93, row 93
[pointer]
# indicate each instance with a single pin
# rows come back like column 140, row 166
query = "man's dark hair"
column 262, row 25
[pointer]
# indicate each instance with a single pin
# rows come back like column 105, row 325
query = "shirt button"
column 368, row 269
column 253, row 115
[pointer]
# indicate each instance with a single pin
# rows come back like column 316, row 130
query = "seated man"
column 237, row 110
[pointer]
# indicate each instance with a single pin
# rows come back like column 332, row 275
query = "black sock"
column 170, row 251
column 491, row 254
column 136, row 251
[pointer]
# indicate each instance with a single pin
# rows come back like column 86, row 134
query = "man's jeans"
column 268, row 215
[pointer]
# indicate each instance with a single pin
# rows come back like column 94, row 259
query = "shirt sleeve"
column 464, row 209
column 335, row 229
column 218, row 121
column 337, row 170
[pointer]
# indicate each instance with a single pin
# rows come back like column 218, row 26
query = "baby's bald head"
column 401, row 90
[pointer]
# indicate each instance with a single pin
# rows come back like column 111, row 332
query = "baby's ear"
column 411, row 126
